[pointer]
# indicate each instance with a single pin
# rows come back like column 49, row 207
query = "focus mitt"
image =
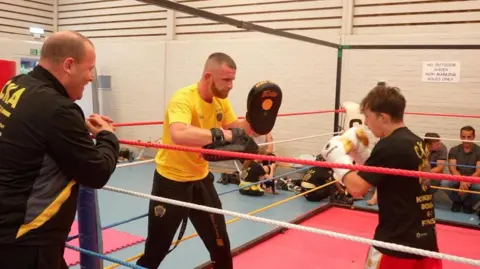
column 263, row 103
column 241, row 142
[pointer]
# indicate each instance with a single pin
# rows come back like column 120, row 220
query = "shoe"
column 467, row 209
column 457, row 207
column 341, row 198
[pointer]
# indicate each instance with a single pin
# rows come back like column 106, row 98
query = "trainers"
column 457, row 206
column 341, row 198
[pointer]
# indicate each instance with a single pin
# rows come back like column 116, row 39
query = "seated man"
column 317, row 176
column 462, row 160
column 255, row 171
column 438, row 156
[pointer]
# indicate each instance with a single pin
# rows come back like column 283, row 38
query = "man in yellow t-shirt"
column 192, row 114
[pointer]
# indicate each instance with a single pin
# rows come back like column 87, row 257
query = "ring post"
column 89, row 228
column 338, row 86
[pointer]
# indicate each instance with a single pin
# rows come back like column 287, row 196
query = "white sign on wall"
column 86, row 103
column 441, row 72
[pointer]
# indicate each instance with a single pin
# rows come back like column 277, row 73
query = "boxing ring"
column 282, row 231
column 317, row 230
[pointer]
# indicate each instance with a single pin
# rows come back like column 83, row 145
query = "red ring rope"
column 371, row 169
column 310, row 113
column 279, row 115
column 140, row 123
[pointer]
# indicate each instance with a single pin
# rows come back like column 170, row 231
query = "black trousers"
column 32, row 257
column 164, row 220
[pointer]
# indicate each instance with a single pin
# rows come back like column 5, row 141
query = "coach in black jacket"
column 46, row 151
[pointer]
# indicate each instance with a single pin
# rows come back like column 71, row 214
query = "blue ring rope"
column 70, row 238
column 104, row 257
column 459, row 165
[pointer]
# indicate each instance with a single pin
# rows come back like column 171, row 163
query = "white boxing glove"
column 360, row 144
column 335, row 151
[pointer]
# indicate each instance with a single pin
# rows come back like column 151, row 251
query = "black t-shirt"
column 254, row 172
column 318, row 176
column 406, row 211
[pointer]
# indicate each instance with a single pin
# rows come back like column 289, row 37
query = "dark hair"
column 468, row 128
column 222, row 58
column 387, row 100
column 431, row 138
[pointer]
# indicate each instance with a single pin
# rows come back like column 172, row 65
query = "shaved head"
column 65, row 44
column 216, row 60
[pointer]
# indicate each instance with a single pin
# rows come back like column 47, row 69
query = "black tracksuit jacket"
column 46, row 151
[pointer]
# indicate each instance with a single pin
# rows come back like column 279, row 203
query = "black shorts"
column 32, row 257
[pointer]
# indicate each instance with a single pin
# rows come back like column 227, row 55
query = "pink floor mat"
column 298, row 249
column 113, row 240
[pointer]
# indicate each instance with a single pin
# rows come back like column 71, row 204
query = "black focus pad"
column 263, row 103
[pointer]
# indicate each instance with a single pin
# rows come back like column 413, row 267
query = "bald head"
column 70, row 58
column 65, row 44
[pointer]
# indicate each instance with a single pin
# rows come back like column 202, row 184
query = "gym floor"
column 115, row 207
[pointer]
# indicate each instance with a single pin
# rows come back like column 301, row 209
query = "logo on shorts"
column 219, row 116
column 160, row 210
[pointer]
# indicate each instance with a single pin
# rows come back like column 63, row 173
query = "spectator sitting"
column 463, row 159
column 268, row 150
column 255, row 171
column 437, row 157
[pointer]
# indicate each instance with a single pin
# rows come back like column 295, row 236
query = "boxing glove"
column 335, row 151
column 359, row 145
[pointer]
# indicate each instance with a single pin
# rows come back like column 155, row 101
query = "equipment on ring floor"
column 341, row 197
column 125, row 155
column 251, row 190
column 288, row 184
column 227, row 178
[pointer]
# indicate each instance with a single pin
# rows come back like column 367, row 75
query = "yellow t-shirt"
column 188, row 107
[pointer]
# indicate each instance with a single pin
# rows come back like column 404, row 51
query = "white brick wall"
column 137, row 72
column 403, row 68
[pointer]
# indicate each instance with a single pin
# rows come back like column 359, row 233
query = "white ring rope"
column 297, row 139
column 358, row 239
column 450, row 139
column 134, row 163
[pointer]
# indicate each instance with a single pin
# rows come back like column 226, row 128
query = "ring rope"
column 456, row 190
column 297, row 139
column 220, row 194
column 450, row 139
column 152, row 160
column 237, row 219
column 125, row 124
column 358, row 239
column 370, row 169
column 104, row 257
column 135, row 163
